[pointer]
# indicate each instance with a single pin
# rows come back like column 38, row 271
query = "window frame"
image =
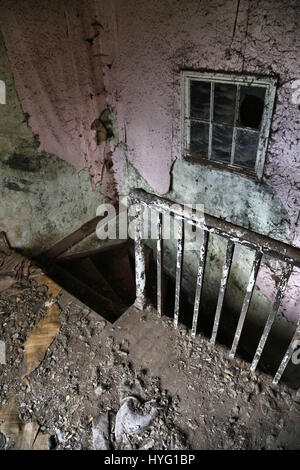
column 269, row 83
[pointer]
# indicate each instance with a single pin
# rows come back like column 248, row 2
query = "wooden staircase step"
column 93, row 272
column 98, row 302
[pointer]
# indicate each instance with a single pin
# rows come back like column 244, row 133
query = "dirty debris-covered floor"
column 71, row 380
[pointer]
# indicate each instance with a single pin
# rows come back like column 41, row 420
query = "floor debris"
column 14, row 433
column 92, row 382
column 129, row 421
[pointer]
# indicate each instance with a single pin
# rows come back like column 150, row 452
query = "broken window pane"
column 221, row 143
column 225, row 116
column 200, row 99
column 246, row 148
column 199, row 139
column 251, row 106
column 224, row 103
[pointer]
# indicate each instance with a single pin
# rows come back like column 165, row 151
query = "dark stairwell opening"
column 104, row 280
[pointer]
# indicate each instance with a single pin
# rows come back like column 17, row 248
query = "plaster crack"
column 235, row 21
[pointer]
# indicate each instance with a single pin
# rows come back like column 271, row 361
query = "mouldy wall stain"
column 40, row 208
column 42, row 198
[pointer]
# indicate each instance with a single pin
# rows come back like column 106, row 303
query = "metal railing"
column 260, row 244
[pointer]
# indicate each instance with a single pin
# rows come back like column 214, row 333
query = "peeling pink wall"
column 58, row 74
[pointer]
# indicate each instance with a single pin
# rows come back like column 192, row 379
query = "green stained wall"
column 42, row 198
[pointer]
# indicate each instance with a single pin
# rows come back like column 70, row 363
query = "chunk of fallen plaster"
column 131, row 422
column 101, row 433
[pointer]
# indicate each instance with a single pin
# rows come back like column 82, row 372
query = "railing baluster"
column 246, row 303
column 223, row 285
column 287, row 355
column 178, row 270
column 283, row 282
column 199, row 281
column 159, row 264
column 140, row 265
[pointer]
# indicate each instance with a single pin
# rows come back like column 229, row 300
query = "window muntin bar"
column 211, row 112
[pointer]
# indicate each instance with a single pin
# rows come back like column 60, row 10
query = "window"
column 226, row 119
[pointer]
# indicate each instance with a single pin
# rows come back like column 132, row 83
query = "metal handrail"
column 234, row 234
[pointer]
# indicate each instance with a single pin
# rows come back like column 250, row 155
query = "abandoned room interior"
column 149, row 225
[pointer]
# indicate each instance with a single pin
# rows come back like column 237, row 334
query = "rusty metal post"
column 199, row 281
column 140, row 264
column 247, row 300
column 159, row 264
column 178, row 269
column 223, row 285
